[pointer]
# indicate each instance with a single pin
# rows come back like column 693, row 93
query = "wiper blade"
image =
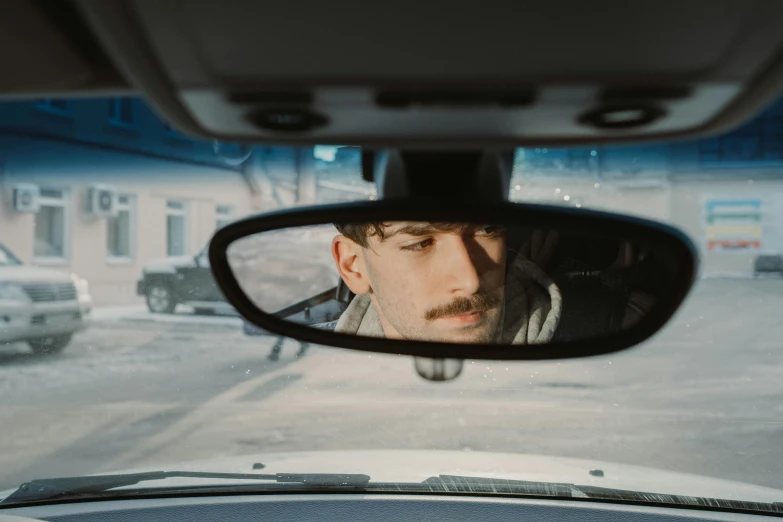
column 47, row 489
column 663, row 499
column 463, row 484
column 51, row 489
column 482, row 485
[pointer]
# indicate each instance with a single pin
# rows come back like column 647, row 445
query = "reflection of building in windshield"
column 69, row 159
column 102, row 187
column 340, row 178
column 725, row 192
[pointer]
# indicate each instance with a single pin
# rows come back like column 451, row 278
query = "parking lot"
column 137, row 390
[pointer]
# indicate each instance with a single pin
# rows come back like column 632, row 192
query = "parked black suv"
column 183, row 280
column 768, row 264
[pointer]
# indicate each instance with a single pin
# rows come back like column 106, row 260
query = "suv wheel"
column 160, row 299
column 50, row 344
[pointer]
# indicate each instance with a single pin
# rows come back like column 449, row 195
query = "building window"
column 224, row 214
column 120, row 230
column 51, row 225
column 533, row 162
column 121, row 111
column 56, row 105
column 757, row 142
column 176, row 227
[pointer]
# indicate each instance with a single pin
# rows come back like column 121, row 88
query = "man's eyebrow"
column 422, row 229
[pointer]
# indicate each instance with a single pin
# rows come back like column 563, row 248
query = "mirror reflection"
column 451, row 282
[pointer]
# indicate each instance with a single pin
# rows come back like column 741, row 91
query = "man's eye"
column 421, row 245
column 489, row 231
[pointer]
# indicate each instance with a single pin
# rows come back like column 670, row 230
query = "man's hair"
column 360, row 233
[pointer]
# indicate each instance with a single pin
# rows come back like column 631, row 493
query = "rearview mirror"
column 505, row 281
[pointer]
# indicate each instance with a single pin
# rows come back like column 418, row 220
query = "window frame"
column 64, row 201
column 115, row 112
column 51, row 106
column 757, row 144
column 226, row 217
column 182, row 212
column 130, row 207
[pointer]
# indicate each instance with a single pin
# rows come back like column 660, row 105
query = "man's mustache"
column 465, row 305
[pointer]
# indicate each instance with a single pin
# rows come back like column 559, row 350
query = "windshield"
column 119, row 353
column 7, row 258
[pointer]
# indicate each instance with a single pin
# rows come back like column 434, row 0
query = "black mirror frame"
column 595, row 222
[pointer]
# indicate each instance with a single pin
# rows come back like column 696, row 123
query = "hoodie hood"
column 531, row 308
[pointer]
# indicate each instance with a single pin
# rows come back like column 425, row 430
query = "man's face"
column 434, row 282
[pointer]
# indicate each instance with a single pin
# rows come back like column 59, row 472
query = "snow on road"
column 122, row 342
column 703, row 396
column 139, row 313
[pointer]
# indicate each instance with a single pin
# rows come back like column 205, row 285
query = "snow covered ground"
column 704, row 396
column 183, row 315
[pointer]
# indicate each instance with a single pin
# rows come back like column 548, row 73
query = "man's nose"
column 463, row 275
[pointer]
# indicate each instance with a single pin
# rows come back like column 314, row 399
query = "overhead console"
column 409, row 73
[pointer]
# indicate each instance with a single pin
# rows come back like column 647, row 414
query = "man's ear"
column 350, row 264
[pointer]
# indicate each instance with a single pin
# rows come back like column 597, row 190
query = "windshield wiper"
column 463, row 484
column 52, row 489
column 482, row 485
column 48, row 489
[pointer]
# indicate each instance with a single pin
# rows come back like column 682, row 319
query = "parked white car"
column 40, row 306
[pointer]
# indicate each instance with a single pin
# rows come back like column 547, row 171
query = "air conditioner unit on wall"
column 26, row 197
column 102, row 201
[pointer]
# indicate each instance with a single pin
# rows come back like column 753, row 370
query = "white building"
column 169, row 193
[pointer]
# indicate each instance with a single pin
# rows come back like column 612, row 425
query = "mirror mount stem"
column 440, row 176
